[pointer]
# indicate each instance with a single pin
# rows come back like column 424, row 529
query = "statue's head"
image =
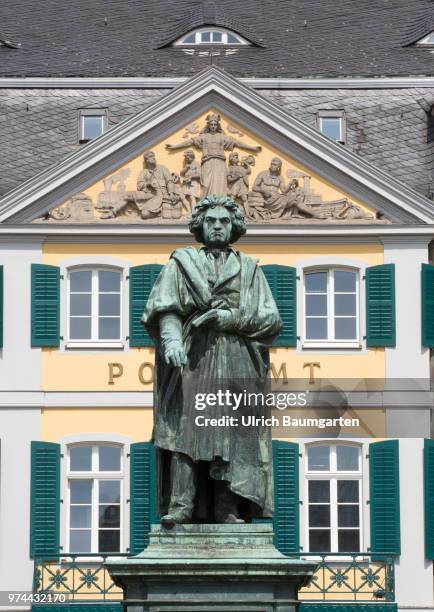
column 189, row 156
column 234, row 158
column 217, row 221
column 213, row 123
column 149, row 159
column 276, row 165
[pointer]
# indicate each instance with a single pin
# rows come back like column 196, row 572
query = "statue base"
column 211, row 568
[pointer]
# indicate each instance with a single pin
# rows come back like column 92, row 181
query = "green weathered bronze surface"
column 213, row 317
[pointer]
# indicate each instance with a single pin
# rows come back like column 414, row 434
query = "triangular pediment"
column 113, row 180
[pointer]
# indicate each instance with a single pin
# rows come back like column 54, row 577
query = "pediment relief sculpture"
column 169, row 194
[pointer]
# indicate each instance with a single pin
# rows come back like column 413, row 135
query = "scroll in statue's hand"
column 174, row 355
column 219, row 318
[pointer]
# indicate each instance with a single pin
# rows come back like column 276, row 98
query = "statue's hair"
column 212, row 117
column 196, row 223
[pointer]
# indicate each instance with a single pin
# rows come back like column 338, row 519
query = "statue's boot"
column 174, row 518
column 183, row 476
column 226, row 504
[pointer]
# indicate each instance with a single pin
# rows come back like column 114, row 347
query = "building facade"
column 334, row 175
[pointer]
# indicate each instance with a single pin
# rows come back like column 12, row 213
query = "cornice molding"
column 257, row 83
column 213, row 87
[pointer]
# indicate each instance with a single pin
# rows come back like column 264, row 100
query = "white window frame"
column 91, row 112
column 94, row 342
column 330, row 342
column 95, row 476
column 425, row 40
column 333, row 476
column 333, row 114
column 200, row 31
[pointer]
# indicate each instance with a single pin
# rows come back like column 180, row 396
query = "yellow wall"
column 136, row 423
column 89, row 370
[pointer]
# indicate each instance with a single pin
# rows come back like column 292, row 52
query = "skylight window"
column 428, row 40
column 211, row 36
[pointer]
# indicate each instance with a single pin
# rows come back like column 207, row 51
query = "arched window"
column 427, row 40
column 211, row 36
column 95, row 498
column 94, row 305
column 331, row 306
column 334, row 497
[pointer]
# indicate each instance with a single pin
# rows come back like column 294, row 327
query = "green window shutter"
column 348, row 607
column 384, row 497
column 380, row 305
column 142, row 279
column 428, row 470
column 1, row 306
column 45, row 500
column 83, row 606
column 45, row 305
column 142, row 494
column 286, row 497
column 283, row 284
column 427, row 305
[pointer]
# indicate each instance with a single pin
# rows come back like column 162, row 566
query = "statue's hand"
column 175, row 355
column 258, row 148
column 224, row 319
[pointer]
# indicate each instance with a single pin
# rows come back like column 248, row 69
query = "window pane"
column 80, row 281
column 81, row 491
column 232, row 39
column 316, row 305
column 80, row 516
column 217, row 37
column 80, row 304
column 110, row 516
column 109, row 328
column 92, row 126
column 109, row 540
column 80, row 328
column 319, row 516
column 319, row 458
column 109, row 458
column 190, row 39
column 331, row 127
column 347, row 458
column 80, row 458
column 319, row 540
column 316, row 282
column 206, row 36
column 79, row 541
column 109, row 491
column 348, row 540
column 348, row 516
column 110, row 304
column 345, row 305
column 348, row 491
column 345, row 281
column 345, row 329
column 319, row 491
column 109, row 281
column 316, row 329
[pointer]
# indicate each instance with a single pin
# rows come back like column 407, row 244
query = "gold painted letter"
column 115, row 371
column 143, row 380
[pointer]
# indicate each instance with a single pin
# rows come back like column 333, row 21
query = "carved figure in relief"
column 238, row 178
column 271, row 198
column 213, row 143
column 155, row 189
column 190, row 174
column 79, row 209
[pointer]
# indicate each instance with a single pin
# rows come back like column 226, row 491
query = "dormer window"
column 211, row 36
column 427, row 40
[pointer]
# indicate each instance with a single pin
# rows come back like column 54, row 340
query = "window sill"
column 95, row 345
column 331, row 345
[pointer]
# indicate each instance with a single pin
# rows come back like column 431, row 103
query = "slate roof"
column 422, row 25
column 39, row 127
column 302, row 37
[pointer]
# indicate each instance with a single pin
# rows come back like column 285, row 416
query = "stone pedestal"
column 211, row 568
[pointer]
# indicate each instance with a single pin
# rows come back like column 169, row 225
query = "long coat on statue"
column 193, row 282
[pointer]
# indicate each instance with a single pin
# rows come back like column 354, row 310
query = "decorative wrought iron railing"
column 357, row 577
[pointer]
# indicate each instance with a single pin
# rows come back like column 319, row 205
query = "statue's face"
column 213, row 126
column 275, row 166
column 235, row 159
column 189, row 157
column 150, row 159
column 217, row 227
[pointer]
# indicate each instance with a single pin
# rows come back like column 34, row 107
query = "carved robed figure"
column 212, row 316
